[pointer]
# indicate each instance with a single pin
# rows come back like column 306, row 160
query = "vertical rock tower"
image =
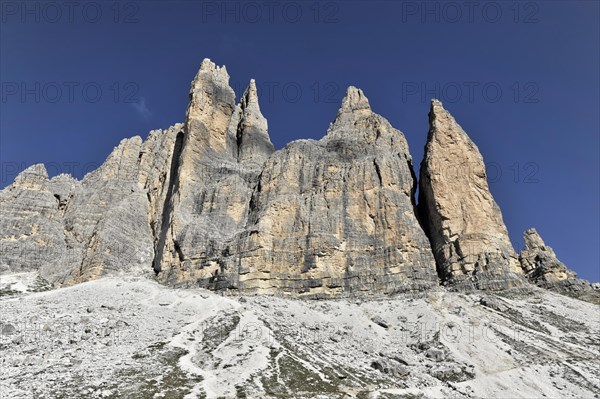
column 468, row 236
column 223, row 148
column 336, row 216
column 318, row 218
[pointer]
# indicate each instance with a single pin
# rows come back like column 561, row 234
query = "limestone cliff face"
column 224, row 146
column 72, row 231
column 468, row 236
column 318, row 217
column 31, row 227
column 210, row 203
column 336, row 215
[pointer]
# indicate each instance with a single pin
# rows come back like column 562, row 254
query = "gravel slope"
column 133, row 338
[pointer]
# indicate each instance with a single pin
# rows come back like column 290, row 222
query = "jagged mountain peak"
column 209, row 67
column 254, row 143
column 250, row 95
column 446, row 130
column 210, row 203
column 122, row 162
column 32, row 177
column 465, row 225
column 543, row 268
column 532, row 238
column 436, row 105
column 355, row 101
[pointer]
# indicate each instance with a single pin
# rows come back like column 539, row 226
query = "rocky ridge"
column 543, row 268
column 210, row 203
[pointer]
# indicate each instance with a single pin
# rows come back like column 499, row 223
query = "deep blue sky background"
column 545, row 52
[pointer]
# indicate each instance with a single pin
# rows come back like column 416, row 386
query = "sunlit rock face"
column 317, row 218
column 468, row 236
column 336, row 215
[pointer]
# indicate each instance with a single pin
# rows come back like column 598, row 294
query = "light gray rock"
column 31, row 228
column 493, row 302
column 254, row 144
column 320, row 218
column 388, row 366
column 7, row 329
column 72, row 231
column 543, row 267
column 437, row 355
column 218, row 164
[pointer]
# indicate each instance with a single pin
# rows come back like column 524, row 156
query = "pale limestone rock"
column 34, row 177
column 465, row 226
column 121, row 165
column 158, row 166
column 31, row 228
column 72, row 231
column 212, row 104
column 254, row 144
column 94, row 248
column 543, row 268
column 63, row 186
column 327, row 218
column 224, row 146
column 114, row 217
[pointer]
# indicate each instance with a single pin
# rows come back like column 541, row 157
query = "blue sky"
column 522, row 78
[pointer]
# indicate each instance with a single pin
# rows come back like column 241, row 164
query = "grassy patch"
column 528, row 322
column 8, row 292
column 217, row 331
column 167, row 380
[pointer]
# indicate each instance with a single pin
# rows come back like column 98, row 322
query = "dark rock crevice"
column 167, row 205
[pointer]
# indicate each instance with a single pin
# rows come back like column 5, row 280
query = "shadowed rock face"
column 72, row 231
column 465, row 226
column 210, row 203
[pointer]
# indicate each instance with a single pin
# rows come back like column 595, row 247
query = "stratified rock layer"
column 465, row 226
column 543, row 268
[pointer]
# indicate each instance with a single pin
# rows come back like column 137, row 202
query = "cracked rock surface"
column 544, row 269
column 465, row 226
